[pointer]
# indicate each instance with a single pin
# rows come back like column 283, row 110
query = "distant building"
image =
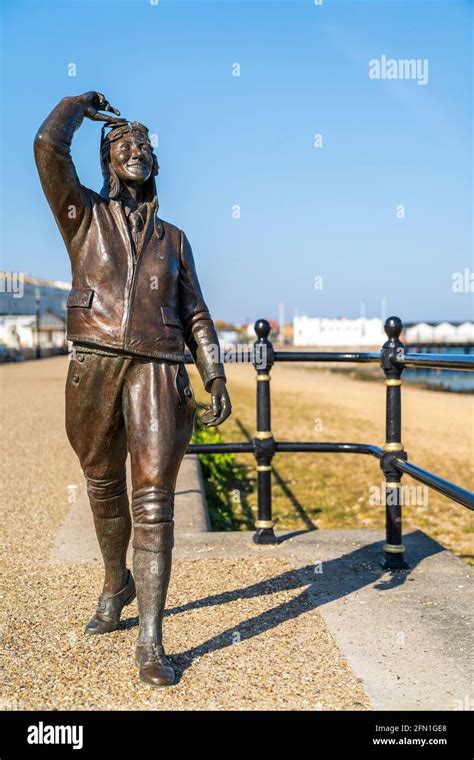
column 442, row 333
column 18, row 294
column 319, row 331
column 19, row 332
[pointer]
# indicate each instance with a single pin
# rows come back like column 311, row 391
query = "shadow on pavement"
column 321, row 583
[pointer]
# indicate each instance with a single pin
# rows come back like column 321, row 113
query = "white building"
column 420, row 333
column 442, row 333
column 19, row 293
column 465, row 333
column 20, row 332
column 317, row 331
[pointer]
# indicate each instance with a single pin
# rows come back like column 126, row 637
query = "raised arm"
column 52, row 148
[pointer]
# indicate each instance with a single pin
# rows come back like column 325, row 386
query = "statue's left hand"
column 221, row 407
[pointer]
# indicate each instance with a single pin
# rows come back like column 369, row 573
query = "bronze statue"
column 135, row 301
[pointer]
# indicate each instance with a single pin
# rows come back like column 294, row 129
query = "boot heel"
column 107, row 616
column 130, row 599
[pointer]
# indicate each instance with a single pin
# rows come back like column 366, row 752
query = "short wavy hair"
column 112, row 187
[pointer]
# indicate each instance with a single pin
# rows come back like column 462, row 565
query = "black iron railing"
column 392, row 457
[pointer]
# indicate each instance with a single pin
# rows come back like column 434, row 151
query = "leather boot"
column 113, row 526
column 153, row 545
column 155, row 668
column 107, row 615
column 112, row 521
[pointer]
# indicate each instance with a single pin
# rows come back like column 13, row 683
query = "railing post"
column 264, row 443
column 391, row 352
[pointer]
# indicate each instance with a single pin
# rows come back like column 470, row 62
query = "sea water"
column 459, row 381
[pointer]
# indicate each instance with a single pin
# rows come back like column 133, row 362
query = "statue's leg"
column 159, row 412
column 96, row 431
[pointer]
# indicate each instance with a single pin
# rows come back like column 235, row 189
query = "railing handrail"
column 451, row 490
column 461, row 362
column 358, row 357
column 392, row 457
column 439, row 361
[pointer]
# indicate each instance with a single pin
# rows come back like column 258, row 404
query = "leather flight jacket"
column 147, row 302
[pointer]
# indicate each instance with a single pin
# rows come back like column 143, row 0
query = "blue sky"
column 305, row 212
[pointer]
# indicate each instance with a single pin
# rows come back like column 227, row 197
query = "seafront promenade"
column 310, row 624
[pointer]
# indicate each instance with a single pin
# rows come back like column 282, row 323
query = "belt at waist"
column 83, row 348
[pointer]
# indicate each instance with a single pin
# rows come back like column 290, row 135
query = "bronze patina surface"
column 135, row 304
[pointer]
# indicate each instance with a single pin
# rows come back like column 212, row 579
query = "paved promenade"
column 312, row 623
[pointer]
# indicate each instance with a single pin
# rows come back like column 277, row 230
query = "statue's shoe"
column 155, row 668
column 107, row 614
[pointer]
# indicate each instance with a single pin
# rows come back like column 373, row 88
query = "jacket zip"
column 131, row 292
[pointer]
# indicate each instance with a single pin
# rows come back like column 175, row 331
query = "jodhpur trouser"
column 115, row 404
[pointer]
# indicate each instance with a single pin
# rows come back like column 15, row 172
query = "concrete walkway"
column 407, row 636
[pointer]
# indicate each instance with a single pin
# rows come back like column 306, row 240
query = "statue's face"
column 131, row 158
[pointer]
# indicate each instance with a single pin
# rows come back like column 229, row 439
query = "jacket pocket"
column 169, row 317
column 80, row 297
column 183, row 387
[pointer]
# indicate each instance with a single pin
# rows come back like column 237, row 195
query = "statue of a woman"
column 135, row 302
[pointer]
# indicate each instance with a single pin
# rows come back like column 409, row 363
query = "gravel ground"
column 239, row 637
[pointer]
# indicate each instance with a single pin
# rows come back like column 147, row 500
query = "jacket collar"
column 159, row 227
column 158, row 224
